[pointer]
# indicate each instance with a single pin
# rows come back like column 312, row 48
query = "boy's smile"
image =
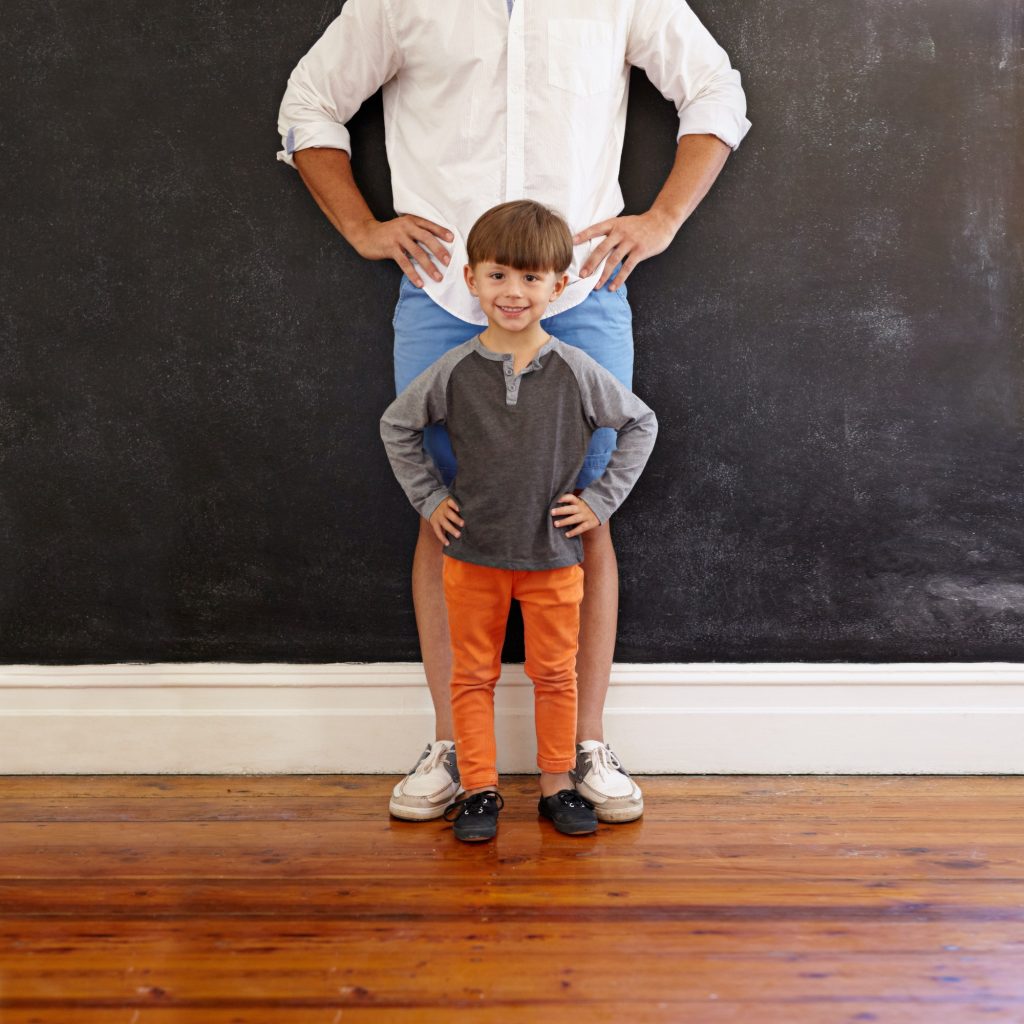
column 512, row 311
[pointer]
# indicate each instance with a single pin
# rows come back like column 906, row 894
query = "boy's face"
column 514, row 299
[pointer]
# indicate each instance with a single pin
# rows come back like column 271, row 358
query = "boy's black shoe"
column 475, row 818
column 571, row 813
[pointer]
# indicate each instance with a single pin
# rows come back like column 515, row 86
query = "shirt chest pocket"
column 581, row 56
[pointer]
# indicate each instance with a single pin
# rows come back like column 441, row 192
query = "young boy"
column 520, row 407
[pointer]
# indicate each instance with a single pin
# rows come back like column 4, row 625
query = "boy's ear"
column 467, row 273
column 560, row 286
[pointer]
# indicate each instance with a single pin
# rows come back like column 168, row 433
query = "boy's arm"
column 401, row 429
column 607, row 403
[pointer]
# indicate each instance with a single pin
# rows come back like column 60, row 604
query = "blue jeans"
column 601, row 325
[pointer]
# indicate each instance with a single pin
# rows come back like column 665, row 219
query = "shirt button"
column 508, row 370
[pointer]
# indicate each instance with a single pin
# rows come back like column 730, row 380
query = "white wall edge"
column 666, row 718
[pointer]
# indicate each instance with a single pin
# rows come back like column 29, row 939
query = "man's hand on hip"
column 627, row 240
column 699, row 160
column 412, row 242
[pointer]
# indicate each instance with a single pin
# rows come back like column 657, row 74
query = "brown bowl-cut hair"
column 521, row 234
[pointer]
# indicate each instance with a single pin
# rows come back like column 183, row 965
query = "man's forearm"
column 699, row 160
column 327, row 173
column 412, row 242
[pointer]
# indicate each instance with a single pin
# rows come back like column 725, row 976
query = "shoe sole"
column 398, row 810
column 567, row 831
column 576, row 832
column 474, row 839
column 617, row 815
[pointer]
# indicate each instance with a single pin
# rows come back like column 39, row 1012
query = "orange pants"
column 478, row 599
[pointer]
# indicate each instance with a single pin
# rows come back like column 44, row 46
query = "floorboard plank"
column 279, row 900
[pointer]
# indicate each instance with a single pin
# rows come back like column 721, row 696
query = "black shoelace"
column 474, row 804
column 572, row 798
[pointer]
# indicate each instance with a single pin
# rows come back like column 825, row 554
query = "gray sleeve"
column 422, row 403
column 607, row 403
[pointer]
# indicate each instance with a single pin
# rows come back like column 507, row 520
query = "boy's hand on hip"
column 574, row 512
column 628, row 240
column 409, row 241
column 446, row 517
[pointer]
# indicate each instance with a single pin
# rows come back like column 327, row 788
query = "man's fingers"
column 412, row 248
column 427, row 241
column 434, row 228
column 402, row 259
column 439, row 533
column 620, row 254
column 592, row 232
column 624, row 271
column 609, row 248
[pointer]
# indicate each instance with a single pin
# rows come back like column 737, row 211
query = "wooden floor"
column 208, row 900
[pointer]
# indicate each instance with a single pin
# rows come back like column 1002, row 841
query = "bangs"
column 521, row 234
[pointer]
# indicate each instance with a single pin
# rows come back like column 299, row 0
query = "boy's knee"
column 552, row 678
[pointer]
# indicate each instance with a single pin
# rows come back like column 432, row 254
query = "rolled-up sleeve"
column 687, row 66
column 354, row 57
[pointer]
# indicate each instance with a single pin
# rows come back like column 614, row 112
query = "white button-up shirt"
column 482, row 106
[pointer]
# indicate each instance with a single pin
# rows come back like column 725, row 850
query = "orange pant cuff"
column 490, row 782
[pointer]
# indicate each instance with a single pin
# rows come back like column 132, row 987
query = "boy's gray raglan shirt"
column 520, row 440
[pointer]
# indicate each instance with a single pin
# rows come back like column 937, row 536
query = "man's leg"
column 435, row 780
column 598, row 621
column 432, row 626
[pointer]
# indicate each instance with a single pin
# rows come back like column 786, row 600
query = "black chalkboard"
column 194, row 361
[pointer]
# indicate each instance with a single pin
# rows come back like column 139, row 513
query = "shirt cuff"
column 430, row 505
column 326, row 134
column 713, row 119
column 596, row 505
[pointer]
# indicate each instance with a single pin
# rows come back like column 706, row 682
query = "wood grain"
column 273, row 900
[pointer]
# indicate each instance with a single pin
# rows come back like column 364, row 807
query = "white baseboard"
column 704, row 718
